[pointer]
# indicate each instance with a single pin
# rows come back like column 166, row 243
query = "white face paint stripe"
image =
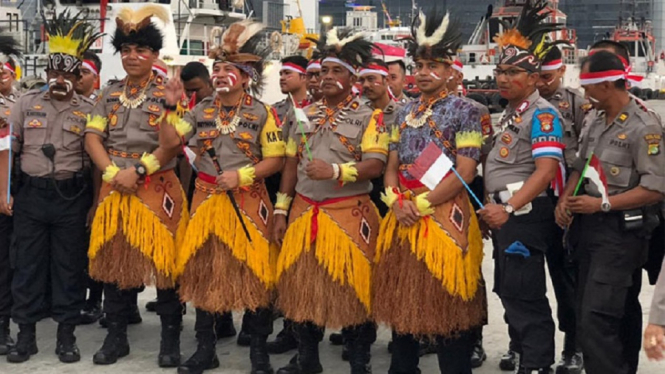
column 435, row 75
column 69, row 84
column 142, row 58
column 593, row 100
column 341, row 87
column 233, row 78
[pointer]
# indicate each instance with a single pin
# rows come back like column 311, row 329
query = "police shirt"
column 573, row 108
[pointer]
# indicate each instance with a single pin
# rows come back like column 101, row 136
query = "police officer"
column 397, row 81
column 524, row 159
column 8, row 78
column 610, row 233
column 53, row 202
column 573, row 107
column 314, row 79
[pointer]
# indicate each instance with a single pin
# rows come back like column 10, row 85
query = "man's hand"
column 278, row 228
column 319, row 170
column 228, row 180
column 407, row 214
column 174, row 90
column 584, row 204
column 494, row 215
column 6, row 209
column 654, row 342
column 562, row 213
column 126, row 181
column 485, row 230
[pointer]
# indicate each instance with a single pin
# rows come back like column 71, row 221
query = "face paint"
column 233, row 78
column 518, row 84
column 550, row 82
column 341, row 87
column 142, row 58
column 69, row 84
column 57, row 89
column 435, row 75
column 124, row 56
column 593, row 100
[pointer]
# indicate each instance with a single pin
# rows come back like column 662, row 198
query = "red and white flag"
column 431, row 166
column 5, row 138
column 559, row 181
column 190, row 156
column 594, row 171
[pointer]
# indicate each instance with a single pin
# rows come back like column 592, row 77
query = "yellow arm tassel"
column 423, row 205
column 110, row 172
column 348, row 172
column 141, row 228
column 151, row 163
column 375, row 140
column 181, row 126
column 283, row 201
column 335, row 251
column 216, row 217
column 394, row 134
column 389, row 197
column 291, row 148
column 246, row 175
column 96, row 123
column 458, row 272
column 469, row 139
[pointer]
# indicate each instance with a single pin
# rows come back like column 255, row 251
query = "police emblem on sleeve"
column 546, row 122
column 653, row 144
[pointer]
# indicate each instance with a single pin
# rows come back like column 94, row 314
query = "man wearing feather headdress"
column 133, row 136
column 227, row 263
column 333, row 151
column 525, row 160
column 426, row 280
column 54, row 201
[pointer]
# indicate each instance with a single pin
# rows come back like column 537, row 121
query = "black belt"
column 45, row 183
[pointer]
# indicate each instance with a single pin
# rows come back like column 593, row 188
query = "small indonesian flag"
column 559, row 181
column 594, row 171
column 301, row 117
column 5, row 138
column 431, row 166
column 190, row 155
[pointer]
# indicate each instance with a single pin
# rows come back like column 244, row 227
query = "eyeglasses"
column 313, row 75
column 512, row 72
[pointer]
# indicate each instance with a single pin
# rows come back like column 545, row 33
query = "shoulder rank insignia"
column 546, row 120
column 250, row 116
column 248, row 100
column 153, row 108
column 78, row 113
column 564, row 105
column 159, row 80
column 623, row 117
column 557, row 96
column 158, row 94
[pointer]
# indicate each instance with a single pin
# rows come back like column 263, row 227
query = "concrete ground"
column 144, row 341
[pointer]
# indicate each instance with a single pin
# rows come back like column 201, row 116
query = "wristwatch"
column 170, row 108
column 605, row 207
column 141, row 170
column 508, row 208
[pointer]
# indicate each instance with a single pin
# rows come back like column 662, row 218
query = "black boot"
column 205, row 357
column 91, row 312
column 224, row 325
column 244, row 337
column 133, row 319
column 572, row 361
column 258, row 355
column 6, row 341
column 523, row 370
column 478, row 355
column 359, row 353
column 65, row 346
column 405, row 357
column 26, row 345
column 151, row 306
column 509, row 361
column 169, row 348
column 307, row 360
column 115, row 344
column 285, row 339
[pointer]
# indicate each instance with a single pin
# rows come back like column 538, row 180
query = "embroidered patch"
column 518, row 119
column 158, row 94
column 546, row 120
column 623, row 117
column 654, row 149
column 622, row 136
column 365, row 230
column 250, row 116
column 75, row 129
column 37, row 107
column 506, row 138
column 153, row 108
column 245, row 136
column 209, row 110
column 248, row 100
column 264, row 213
column 78, row 113
column 208, row 116
column 153, row 120
column 504, row 152
column 116, row 94
column 113, row 120
column 168, row 205
column 355, row 105
column 35, row 123
column 614, row 171
column 564, row 105
column 457, row 217
column 486, row 124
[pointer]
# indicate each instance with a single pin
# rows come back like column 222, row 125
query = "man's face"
column 432, row 76
column 550, row 80
column 335, row 79
column 514, row 82
column 396, row 79
column 86, row 83
column 6, row 81
column 314, row 83
column 374, row 86
column 454, row 81
column 597, row 94
column 137, row 60
column 197, row 86
column 228, row 78
column 61, row 84
column 290, row 81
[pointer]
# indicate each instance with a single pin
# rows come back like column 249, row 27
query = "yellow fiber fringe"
column 141, row 227
column 216, row 216
column 335, row 252
column 469, row 139
column 459, row 273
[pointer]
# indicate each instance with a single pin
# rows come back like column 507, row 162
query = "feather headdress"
column 136, row 27
column 525, row 41
column 242, row 44
column 345, row 46
column 436, row 37
column 8, row 47
column 69, row 38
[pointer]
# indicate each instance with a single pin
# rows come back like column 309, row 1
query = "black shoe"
column 426, row 347
column 534, row 371
column 306, row 364
column 509, row 361
column 258, row 355
column 478, row 355
column 6, row 341
column 115, row 344
column 65, row 346
column 571, row 363
column 91, row 313
column 336, row 338
column 359, row 359
column 284, row 341
column 26, row 345
column 205, row 357
column 151, row 306
column 133, row 319
column 224, row 326
column 244, row 338
column 169, row 348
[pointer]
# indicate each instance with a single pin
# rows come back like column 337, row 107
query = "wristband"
column 336, row 172
column 390, row 196
column 151, row 163
column 110, row 172
column 423, row 205
column 283, row 201
column 280, row 212
column 246, row 176
column 170, row 108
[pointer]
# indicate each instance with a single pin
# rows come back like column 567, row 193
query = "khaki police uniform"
column 6, row 226
column 611, row 248
column 521, row 139
column 50, row 208
column 573, row 108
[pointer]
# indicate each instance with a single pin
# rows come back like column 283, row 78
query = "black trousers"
column 6, row 228
column 257, row 323
column 120, row 303
column 454, row 353
column 608, row 310
column 563, row 273
column 520, row 282
column 49, row 253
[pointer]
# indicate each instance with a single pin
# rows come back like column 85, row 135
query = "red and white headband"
column 634, row 80
column 338, row 61
column 602, row 76
column 314, row 64
column 552, row 65
column 160, row 70
column 6, row 66
column 373, row 69
column 87, row 64
column 293, row 67
column 457, row 65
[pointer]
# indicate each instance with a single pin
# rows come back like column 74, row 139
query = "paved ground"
column 144, row 340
